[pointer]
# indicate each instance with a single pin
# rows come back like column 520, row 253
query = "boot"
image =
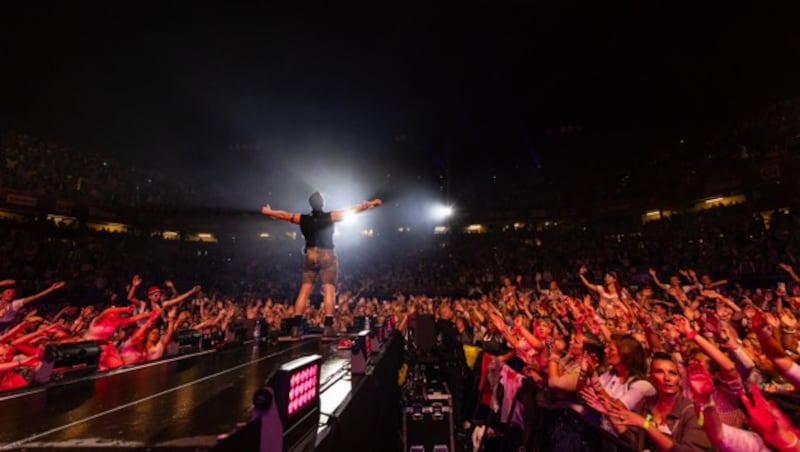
column 328, row 332
column 297, row 322
column 295, row 333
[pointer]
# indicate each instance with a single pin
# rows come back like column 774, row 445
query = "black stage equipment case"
column 428, row 420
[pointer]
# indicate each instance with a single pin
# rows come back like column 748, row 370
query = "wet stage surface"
column 182, row 402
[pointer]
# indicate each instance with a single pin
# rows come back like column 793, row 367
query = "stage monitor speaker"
column 183, row 342
column 359, row 353
column 237, row 332
column 68, row 360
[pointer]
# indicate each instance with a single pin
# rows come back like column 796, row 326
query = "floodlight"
column 440, row 212
column 289, row 422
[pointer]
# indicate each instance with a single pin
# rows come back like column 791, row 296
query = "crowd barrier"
column 72, row 361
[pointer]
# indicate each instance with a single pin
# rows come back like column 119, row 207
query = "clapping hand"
column 619, row 415
column 595, row 400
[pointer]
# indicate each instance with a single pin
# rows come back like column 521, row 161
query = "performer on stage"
column 320, row 258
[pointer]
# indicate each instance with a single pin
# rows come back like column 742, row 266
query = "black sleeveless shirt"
column 317, row 228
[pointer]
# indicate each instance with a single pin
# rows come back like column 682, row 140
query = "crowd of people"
column 44, row 167
column 674, row 335
column 647, row 360
column 685, row 363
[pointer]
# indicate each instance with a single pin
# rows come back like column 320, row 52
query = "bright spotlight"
column 348, row 217
column 440, row 212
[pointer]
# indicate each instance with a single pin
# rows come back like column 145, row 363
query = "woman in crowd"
column 665, row 421
column 625, row 380
column 147, row 343
column 104, row 326
column 10, row 306
column 612, row 294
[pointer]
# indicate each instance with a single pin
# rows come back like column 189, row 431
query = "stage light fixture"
column 290, row 421
column 441, row 212
column 296, row 387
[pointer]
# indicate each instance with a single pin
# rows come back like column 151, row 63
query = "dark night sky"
column 176, row 85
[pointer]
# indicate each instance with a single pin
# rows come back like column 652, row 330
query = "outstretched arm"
column 656, row 281
column 111, row 311
column 18, row 362
column 172, row 324
column 181, row 297
column 788, row 269
column 140, row 333
column 14, row 332
column 132, row 319
column 55, row 286
column 30, row 337
column 280, row 214
column 582, row 274
column 132, row 292
column 718, row 356
column 338, row 215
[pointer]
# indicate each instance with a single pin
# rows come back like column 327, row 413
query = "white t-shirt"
column 629, row 392
column 738, row 440
column 8, row 315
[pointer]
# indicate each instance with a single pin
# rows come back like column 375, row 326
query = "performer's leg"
column 329, row 298
column 329, row 269
column 300, row 307
column 310, row 270
column 302, row 298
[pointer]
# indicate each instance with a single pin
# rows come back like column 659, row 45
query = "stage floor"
column 182, row 402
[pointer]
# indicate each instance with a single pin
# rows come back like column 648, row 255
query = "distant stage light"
column 441, row 212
